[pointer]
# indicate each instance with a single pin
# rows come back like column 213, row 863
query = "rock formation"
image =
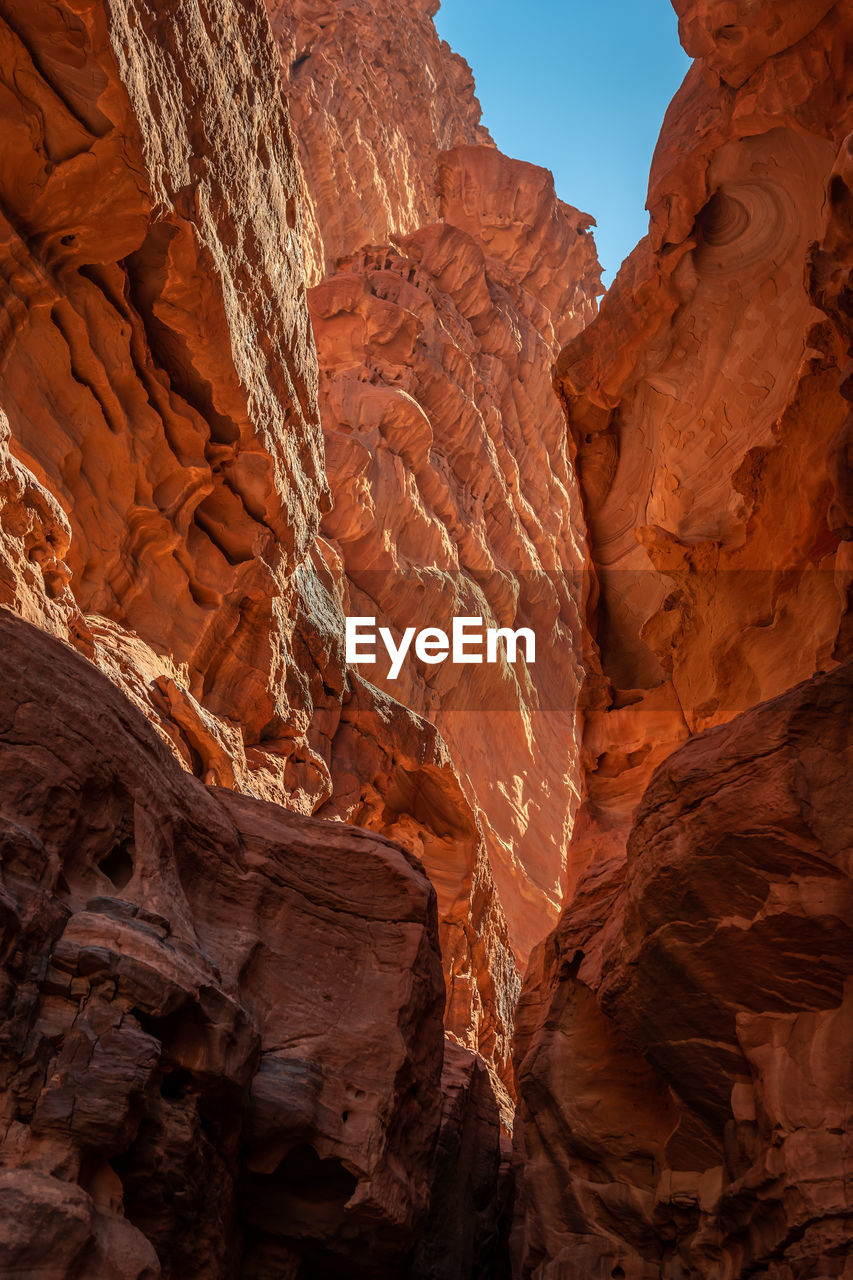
column 278, row 333
column 691, row 1117
column 446, row 278
column 222, row 1022
column 158, row 374
column 165, row 451
column 162, row 482
column 683, row 1057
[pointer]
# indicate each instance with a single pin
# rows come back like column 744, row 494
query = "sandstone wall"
column 159, row 379
column 446, row 279
column 163, row 469
column 680, row 1114
column 178, row 962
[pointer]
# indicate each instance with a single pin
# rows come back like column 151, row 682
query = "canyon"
column 523, row 969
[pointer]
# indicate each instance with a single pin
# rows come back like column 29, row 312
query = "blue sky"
column 579, row 86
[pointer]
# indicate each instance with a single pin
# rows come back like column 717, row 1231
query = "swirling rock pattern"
column 684, row 1034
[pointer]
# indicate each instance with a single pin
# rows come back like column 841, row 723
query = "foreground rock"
column 222, row 1040
column 687, row 1032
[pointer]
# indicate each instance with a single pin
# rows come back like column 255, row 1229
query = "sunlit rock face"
column 446, row 279
column 162, row 468
column 159, row 380
column 374, row 97
column 683, row 1032
column 222, row 1023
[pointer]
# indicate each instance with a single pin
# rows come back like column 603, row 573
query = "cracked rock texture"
column 683, row 1056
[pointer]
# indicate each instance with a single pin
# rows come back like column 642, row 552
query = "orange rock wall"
column 667, row 1086
column 158, row 374
column 446, row 279
column 172, row 1100
column 165, row 479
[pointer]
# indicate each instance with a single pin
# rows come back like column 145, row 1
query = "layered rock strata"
column 683, row 1061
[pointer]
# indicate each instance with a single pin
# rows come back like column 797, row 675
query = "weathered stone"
column 221, row 1020
column 685, row 1035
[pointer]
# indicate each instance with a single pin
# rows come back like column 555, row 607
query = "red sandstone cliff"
column 180, row 1094
column 250, row 380
column 160, row 389
column 683, row 1058
column 447, row 278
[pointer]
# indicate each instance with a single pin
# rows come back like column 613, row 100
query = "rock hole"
column 118, row 867
column 175, row 1085
column 841, row 197
column 307, row 1177
column 617, row 1273
column 345, row 1116
column 723, row 220
column 731, row 31
column 69, row 239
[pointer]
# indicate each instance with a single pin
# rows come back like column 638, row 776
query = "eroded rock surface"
column 445, row 279
column 684, row 1045
column 158, row 375
column 690, row 1118
column 222, row 1034
column 163, row 477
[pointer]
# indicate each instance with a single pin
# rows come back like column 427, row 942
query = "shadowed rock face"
column 686, row 1034
column 221, row 1021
